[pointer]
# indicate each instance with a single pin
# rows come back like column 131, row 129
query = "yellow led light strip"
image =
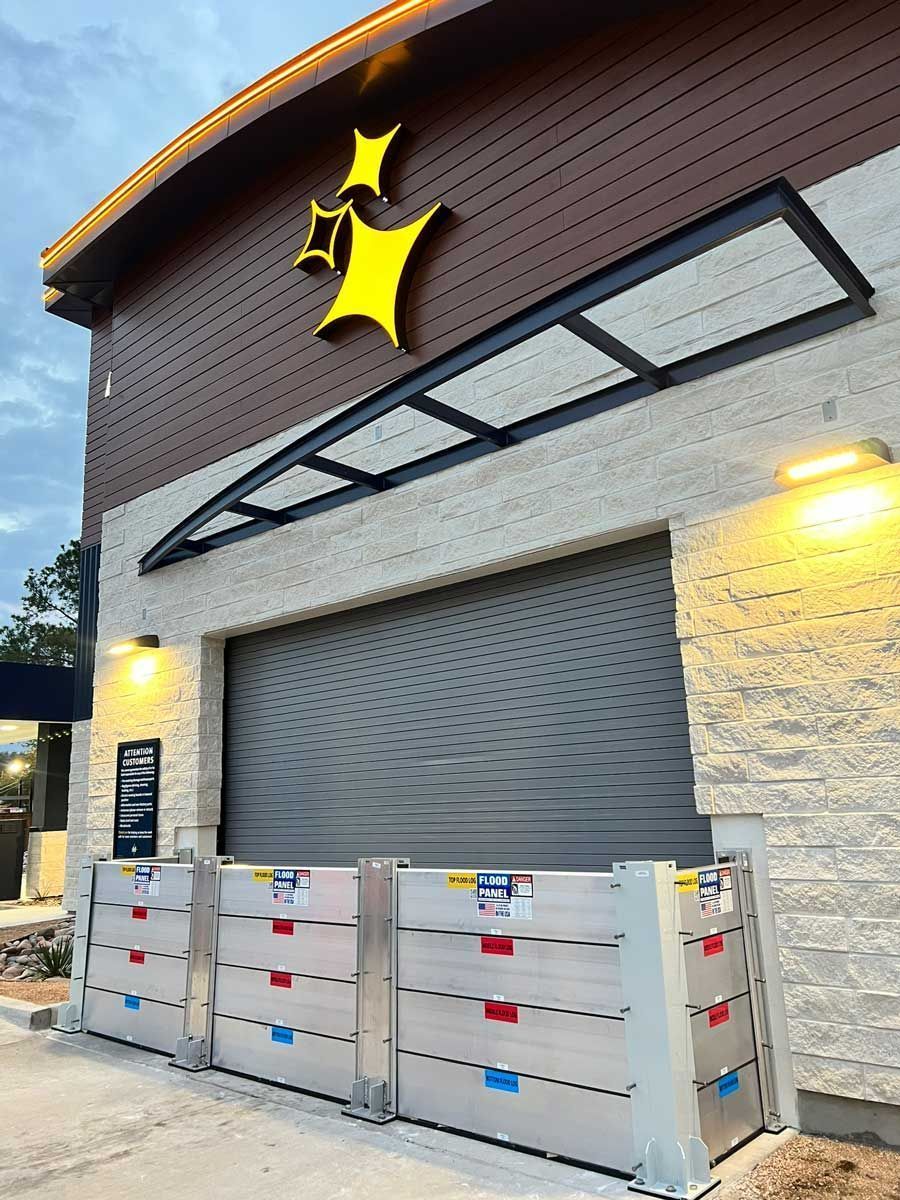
column 51, row 294
column 268, row 83
column 823, row 466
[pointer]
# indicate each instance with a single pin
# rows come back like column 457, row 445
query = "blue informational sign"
column 133, row 1002
column 137, row 799
column 285, row 1036
column 729, row 1083
column 493, row 885
column 501, row 1081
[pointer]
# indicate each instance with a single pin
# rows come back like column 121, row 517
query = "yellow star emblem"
column 321, row 241
column 368, row 161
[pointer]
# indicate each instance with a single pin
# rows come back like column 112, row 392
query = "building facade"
column 606, row 633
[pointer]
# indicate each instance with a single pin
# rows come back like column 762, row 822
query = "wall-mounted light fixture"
column 842, row 460
column 146, row 641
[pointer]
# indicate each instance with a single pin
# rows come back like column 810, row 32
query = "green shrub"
column 55, row 959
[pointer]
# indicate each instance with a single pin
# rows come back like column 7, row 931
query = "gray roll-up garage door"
column 534, row 718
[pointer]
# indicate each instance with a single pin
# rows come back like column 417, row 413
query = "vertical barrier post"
column 192, row 1049
column 69, row 1020
column 374, row 1091
column 671, row 1159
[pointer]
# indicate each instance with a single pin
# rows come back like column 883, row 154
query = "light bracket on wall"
column 838, row 460
column 145, row 641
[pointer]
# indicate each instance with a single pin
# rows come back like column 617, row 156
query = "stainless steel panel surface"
column 315, row 1005
column 708, row 906
column 114, row 884
column 376, row 992
column 594, row 1127
column 151, row 1024
column 159, row 930
column 579, row 978
column 716, row 966
column 314, row 1064
column 138, row 973
column 723, row 1038
column 565, row 1047
column 729, row 1114
column 332, row 894
column 308, row 949
column 565, row 906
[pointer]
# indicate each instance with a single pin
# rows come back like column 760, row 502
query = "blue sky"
column 87, row 93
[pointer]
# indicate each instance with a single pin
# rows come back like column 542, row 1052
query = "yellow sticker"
column 461, row 879
column 263, row 876
column 687, row 881
column 128, row 870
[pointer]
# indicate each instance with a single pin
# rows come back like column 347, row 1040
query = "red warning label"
column 139, row 914
column 136, row 956
column 279, row 979
column 713, row 945
column 501, row 1012
column 497, row 945
column 285, row 927
column 719, row 1015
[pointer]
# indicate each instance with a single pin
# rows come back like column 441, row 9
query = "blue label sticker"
column 729, row 1083
column 285, row 1036
column 132, row 1002
column 493, row 885
column 501, row 1081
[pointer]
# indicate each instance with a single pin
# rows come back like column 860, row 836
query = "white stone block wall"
column 788, row 605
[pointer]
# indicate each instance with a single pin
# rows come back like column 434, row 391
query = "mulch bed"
column 814, row 1168
column 37, row 991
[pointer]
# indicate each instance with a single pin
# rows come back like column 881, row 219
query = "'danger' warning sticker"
column 715, row 893
column 146, row 879
column 290, row 886
column 501, row 895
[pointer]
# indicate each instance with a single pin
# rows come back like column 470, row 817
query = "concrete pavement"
column 13, row 913
column 86, row 1119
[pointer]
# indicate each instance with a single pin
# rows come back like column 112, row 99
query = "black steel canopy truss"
column 773, row 201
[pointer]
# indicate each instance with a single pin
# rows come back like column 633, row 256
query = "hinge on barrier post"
column 192, row 1048
column 372, row 1095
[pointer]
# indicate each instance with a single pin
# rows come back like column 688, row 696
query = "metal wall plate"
column 562, row 1046
column 730, row 1110
column 280, row 998
column 723, row 1038
column 146, row 1023
column 563, row 975
column 157, row 930
column 138, row 973
column 114, row 883
column 594, row 1127
column 565, row 906
column 304, row 947
column 247, row 892
column 716, row 966
column 301, row 1060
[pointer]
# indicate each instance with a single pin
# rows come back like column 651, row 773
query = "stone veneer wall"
column 789, row 605
column 46, row 869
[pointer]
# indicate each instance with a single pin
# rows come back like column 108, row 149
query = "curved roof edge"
column 386, row 27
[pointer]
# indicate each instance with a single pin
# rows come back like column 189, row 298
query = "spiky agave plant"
column 52, row 960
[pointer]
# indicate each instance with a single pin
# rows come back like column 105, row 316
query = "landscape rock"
column 14, row 972
column 49, row 934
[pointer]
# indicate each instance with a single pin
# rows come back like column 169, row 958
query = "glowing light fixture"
column 8, row 728
column 16, row 767
column 842, row 460
column 146, row 641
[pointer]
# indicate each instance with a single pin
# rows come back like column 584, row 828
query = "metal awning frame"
column 774, row 200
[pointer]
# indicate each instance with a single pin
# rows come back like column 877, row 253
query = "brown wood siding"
column 95, row 439
column 551, row 169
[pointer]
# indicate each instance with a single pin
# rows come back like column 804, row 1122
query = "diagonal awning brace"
column 773, row 201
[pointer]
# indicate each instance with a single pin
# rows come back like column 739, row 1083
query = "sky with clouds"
column 87, row 93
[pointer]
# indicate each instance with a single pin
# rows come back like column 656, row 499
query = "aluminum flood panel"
column 156, row 930
column 280, row 998
column 330, row 895
column 146, row 1023
column 716, row 968
column 730, row 1110
column 137, row 973
column 592, row 1127
column 274, row 1052
column 118, row 883
column 563, row 907
column 561, row 1046
column 723, row 1038
column 561, row 975
column 283, row 944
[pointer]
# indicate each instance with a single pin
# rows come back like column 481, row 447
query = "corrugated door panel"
column 535, row 717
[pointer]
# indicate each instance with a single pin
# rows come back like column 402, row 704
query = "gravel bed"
column 815, row 1168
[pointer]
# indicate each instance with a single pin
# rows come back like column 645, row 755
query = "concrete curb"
column 27, row 1015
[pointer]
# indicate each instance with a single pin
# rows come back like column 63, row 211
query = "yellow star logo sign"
column 377, row 263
